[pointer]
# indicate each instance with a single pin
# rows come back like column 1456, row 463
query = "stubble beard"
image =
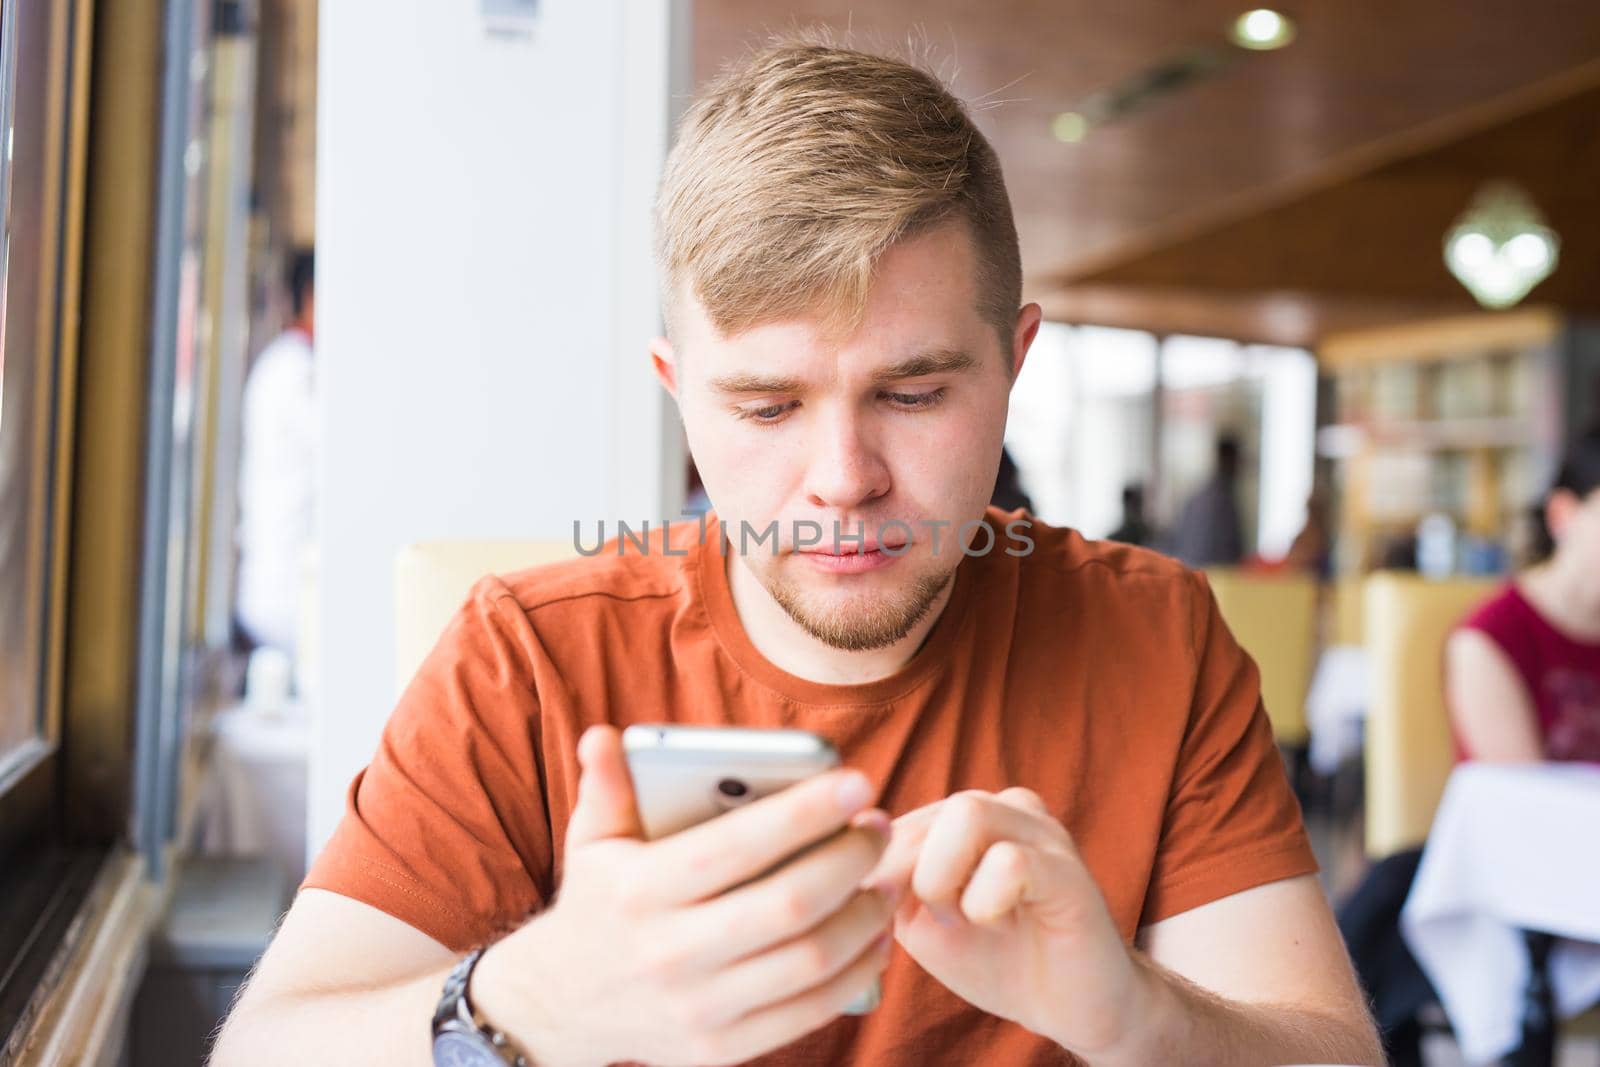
column 859, row 623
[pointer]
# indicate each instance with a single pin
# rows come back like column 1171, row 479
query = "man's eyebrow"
column 939, row 361
column 755, row 383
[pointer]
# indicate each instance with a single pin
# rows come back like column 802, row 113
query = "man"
column 1095, row 857
column 1208, row 532
column 1135, row 529
column 277, row 462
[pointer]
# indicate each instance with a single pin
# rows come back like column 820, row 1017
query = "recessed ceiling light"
column 1262, row 30
column 1070, row 127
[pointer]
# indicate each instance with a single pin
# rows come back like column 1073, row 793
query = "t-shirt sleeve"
column 1232, row 822
column 446, row 829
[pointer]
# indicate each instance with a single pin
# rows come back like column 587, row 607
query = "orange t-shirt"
column 1098, row 675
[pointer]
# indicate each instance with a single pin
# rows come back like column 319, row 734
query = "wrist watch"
column 460, row 1037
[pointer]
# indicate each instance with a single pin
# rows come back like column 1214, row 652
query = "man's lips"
column 852, row 548
column 838, row 539
column 849, row 562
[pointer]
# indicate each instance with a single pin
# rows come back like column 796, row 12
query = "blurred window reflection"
column 32, row 85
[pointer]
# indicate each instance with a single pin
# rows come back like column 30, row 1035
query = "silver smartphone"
column 685, row 775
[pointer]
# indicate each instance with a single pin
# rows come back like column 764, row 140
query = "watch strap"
column 455, row 1013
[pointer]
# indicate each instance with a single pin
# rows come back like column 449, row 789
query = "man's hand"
column 650, row 952
column 999, row 907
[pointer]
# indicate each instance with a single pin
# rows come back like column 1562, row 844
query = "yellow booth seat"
column 1409, row 755
column 432, row 579
column 1274, row 618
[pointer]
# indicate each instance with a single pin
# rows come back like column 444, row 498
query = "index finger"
column 899, row 860
column 718, row 854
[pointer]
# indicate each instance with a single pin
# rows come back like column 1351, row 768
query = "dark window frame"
column 45, row 878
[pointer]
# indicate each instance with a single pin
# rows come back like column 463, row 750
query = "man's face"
column 901, row 420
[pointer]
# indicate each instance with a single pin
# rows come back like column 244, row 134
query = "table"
column 255, row 794
column 1513, row 848
column 1336, row 706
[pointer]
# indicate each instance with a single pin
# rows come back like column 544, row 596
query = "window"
column 32, row 83
column 42, row 881
column 1098, row 409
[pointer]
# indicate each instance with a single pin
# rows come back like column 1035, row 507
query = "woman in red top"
column 1522, row 680
column 1522, row 672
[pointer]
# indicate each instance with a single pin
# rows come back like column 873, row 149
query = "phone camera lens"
column 732, row 788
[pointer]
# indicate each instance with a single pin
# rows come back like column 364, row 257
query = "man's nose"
column 846, row 469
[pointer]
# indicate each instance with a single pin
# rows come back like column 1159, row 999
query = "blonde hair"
column 797, row 169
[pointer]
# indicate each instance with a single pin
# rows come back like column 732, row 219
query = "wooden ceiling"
column 1293, row 193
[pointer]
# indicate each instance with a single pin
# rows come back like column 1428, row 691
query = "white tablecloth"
column 255, row 795
column 1336, row 706
column 1512, row 848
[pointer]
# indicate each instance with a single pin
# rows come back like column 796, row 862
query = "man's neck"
column 789, row 647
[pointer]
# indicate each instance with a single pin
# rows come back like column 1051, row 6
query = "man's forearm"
column 389, row 1026
column 1182, row 1023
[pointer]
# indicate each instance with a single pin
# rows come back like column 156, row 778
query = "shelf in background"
column 1340, row 440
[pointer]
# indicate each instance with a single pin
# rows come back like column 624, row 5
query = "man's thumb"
column 606, row 806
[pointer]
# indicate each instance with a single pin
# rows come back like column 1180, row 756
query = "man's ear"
column 1558, row 511
column 665, row 362
column 1028, row 320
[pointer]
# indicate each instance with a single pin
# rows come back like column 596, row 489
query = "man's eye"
column 770, row 413
column 914, row 401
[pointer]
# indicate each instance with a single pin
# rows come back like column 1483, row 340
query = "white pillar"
column 484, row 298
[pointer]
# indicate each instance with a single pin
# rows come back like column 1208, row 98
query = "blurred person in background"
column 1311, row 549
column 1522, row 684
column 695, row 501
column 1135, row 528
column 277, row 500
column 1523, row 670
column 1209, row 533
column 1008, row 493
column 1398, row 552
